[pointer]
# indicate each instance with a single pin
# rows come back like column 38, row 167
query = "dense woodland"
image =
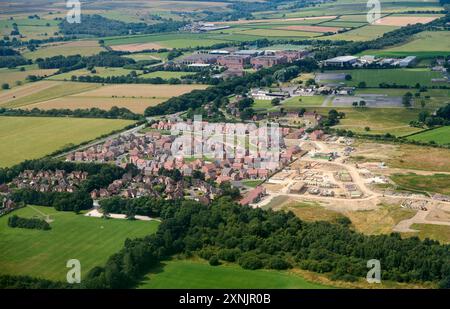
column 100, row 26
column 28, row 223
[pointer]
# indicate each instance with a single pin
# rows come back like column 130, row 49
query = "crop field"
column 437, row 183
column 171, row 40
column 141, row 90
column 409, row 77
column 44, row 254
column 277, row 33
column 73, row 95
column 166, row 74
column 346, row 7
column 23, row 138
column 380, row 120
column 55, row 90
column 424, row 44
column 401, row 21
column 148, row 56
column 12, row 76
column 439, row 136
column 84, row 48
column 182, row 274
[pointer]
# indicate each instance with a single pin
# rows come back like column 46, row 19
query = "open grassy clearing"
column 44, row 254
column 84, row 48
column 423, row 44
column 433, row 231
column 303, row 101
column 379, row 221
column 310, row 211
column 440, row 136
column 437, row 183
column 403, row 156
column 24, row 138
column 181, row 274
column 57, row 90
column 380, row 120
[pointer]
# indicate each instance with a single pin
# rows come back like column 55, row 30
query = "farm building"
column 343, row 61
column 407, row 62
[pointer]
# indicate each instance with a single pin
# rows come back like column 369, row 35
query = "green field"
column 303, row 101
column 439, row 136
column 200, row 275
column 44, row 253
column 379, row 120
column 424, row 44
column 365, row 33
column 437, row 183
column 409, row 77
column 24, row 138
column 84, row 48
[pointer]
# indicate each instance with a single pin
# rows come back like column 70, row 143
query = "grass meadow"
column 439, row 136
column 44, row 254
column 181, row 274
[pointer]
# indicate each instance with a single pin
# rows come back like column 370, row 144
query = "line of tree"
column 94, row 112
column 75, row 62
column 100, row 26
column 28, row 223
